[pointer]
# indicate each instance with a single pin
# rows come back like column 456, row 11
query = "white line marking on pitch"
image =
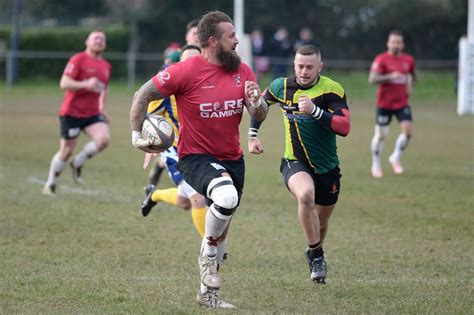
column 84, row 191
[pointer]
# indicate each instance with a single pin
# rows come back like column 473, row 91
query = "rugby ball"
column 158, row 132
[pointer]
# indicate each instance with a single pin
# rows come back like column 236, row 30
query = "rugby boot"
column 76, row 174
column 208, row 268
column 212, row 300
column 148, row 204
column 317, row 267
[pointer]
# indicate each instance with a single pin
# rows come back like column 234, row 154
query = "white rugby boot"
column 208, row 268
column 212, row 300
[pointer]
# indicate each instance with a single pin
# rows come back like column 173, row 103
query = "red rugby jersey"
column 84, row 103
column 393, row 95
column 210, row 105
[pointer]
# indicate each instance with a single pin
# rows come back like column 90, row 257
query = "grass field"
column 401, row 244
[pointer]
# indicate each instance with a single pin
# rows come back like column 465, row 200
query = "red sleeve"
column 412, row 65
column 72, row 66
column 377, row 65
column 171, row 80
column 341, row 124
column 250, row 74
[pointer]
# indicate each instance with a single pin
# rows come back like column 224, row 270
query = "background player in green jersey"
column 315, row 110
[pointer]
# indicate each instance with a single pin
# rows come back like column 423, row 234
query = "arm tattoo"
column 141, row 99
column 260, row 113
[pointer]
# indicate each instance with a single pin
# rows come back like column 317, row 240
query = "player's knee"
column 381, row 132
column 66, row 153
column 222, row 192
column 304, row 195
column 102, row 143
column 183, row 202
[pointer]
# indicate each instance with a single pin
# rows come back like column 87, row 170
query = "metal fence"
column 151, row 62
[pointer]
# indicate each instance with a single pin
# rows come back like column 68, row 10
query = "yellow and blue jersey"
column 168, row 109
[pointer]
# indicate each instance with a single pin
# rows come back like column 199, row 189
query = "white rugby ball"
column 158, row 132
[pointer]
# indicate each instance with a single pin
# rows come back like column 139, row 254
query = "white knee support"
column 381, row 132
column 222, row 192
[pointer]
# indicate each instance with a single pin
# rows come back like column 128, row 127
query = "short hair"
column 395, row 32
column 207, row 26
column 187, row 47
column 191, row 24
column 308, row 50
column 97, row 30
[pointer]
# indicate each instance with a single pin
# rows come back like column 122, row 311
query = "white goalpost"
column 466, row 67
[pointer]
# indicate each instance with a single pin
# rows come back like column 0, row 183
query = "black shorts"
column 199, row 169
column 384, row 116
column 326, row 186
column 71, row 127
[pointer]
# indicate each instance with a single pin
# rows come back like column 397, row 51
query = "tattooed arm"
column 141, row 99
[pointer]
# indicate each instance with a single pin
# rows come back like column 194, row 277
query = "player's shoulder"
column 277, row 87
column 80, row 56
column 382, row 56
column 331, row 85
column 278, row 84
column 195, row 62
column 245, row 67
column 106, row 62
column 408, row 57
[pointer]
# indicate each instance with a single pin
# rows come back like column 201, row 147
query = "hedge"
column 63, row 39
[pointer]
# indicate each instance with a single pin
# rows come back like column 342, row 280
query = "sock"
column 199, row 219
column 376, row 148
column 315, row 250
column 214, row 229
column 55, row 169
column 89, row 150
column 221, row 247
column 169, row 195
column 155, row 174
column 400, row 145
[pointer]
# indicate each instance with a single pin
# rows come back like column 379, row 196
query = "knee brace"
column 381, row 131
column 222, row 192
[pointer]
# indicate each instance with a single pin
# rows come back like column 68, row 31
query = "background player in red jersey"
column 85, row 81
column 394, row 72
column 211, row 93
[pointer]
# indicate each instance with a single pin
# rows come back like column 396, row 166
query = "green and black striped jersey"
column 307, row 139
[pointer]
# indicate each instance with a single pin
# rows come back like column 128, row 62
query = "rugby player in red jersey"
column 85, row 81
column 394, row 72
column 211, row 93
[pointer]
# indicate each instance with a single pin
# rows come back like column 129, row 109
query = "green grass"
column 401, row 244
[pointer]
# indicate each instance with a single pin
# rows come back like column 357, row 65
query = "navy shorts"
column 71, row 127
column 384, row 116
column 199, row 169
column 326, row 186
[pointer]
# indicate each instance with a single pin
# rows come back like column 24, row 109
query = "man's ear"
column 212, row 41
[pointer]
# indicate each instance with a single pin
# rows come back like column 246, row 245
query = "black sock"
column 156, row 174
column 315, row 250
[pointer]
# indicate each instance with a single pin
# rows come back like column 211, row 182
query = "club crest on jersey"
column 163, row 76
column 237, row 80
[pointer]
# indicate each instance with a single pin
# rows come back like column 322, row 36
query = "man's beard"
column 229, row 59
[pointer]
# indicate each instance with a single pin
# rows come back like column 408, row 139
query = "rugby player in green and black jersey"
column 314, row 111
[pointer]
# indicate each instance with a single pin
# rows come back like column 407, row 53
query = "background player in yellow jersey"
column 315, row 111
column 183, row 195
